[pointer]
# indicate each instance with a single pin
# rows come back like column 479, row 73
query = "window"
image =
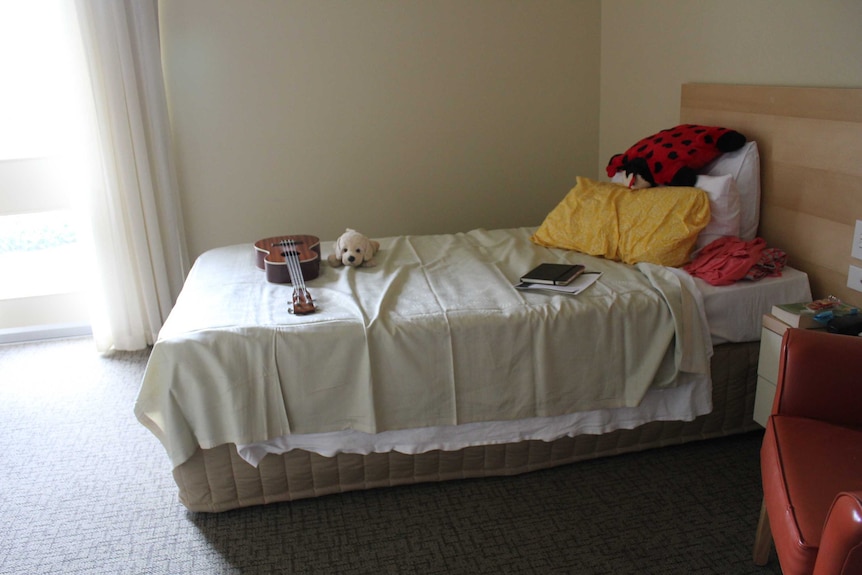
column 40, row 133
column 39, row 253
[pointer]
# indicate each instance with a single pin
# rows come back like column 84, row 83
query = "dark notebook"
column 554, row 274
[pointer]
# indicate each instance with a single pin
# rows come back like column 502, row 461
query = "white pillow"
column 724, row 206
column 744, row 166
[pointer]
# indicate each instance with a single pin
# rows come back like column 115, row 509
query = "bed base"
column 217, row 479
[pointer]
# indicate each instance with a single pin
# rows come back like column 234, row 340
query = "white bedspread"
column 435, row 335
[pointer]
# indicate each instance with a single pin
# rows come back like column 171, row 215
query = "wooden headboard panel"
column 810, row 142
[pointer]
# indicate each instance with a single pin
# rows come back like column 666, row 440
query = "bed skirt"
column 218, row 479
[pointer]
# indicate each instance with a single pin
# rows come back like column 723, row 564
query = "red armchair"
column 811, row 458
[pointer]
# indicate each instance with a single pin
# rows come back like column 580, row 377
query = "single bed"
column 432, row 366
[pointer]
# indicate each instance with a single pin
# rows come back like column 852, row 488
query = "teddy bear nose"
column 351, row 259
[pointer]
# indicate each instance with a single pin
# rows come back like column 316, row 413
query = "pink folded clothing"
column 726, row 260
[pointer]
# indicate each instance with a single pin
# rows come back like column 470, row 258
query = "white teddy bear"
column 354, row 250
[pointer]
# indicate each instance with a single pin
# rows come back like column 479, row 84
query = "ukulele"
column 272, row 257
column 299, row 257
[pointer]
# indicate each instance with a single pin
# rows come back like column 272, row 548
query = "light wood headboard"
column 810, row 142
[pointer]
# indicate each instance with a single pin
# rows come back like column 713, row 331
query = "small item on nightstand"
column 812, row 315
column 846, row 325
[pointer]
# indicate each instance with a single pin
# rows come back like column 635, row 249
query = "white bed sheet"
column 682, row 403
column 734, row 311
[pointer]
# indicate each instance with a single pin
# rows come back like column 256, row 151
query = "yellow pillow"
column 656, row 225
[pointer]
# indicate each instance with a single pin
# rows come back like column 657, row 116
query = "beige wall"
column 412, row 117
column 389, row 116
column 651, row 47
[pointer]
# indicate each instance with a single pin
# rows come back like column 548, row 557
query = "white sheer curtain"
column 139, row 244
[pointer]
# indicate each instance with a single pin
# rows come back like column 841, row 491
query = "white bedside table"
column 767, row 366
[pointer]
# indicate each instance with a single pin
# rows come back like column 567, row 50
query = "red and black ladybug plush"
column 673, row 157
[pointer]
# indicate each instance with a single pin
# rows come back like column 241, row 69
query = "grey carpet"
column 84, row 488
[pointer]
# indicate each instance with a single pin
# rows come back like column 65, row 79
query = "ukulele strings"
column 294, row 269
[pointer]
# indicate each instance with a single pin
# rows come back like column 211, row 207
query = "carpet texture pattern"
column 84, row 488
